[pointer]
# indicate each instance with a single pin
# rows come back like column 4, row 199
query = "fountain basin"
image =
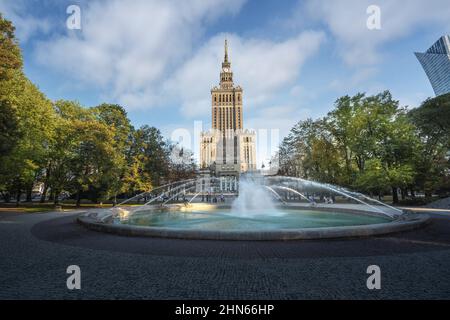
column 288, row 222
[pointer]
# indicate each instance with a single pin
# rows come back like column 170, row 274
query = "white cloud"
column 143, row 54
column 346, row 20
column 26, row 25
column 357, row 81
column 279, row 117
column 272, row 124
column 261, row 67
column 128, row 48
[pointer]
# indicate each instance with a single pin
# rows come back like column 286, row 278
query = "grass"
column 36, row 207
column 28, row 209
column 69, row 205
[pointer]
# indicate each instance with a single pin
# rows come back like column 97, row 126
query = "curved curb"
column 269, row 235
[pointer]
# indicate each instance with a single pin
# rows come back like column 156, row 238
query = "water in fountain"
column 254, row 199
column 312, row 187
column 260, row 198
column 264, row 203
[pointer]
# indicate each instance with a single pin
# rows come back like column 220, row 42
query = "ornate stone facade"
column 227, row 148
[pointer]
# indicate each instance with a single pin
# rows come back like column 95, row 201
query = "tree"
column 94, row 155
column 10, row 71
column 112, row 181
column 374, row 179
column 10, row 54
column 295, row 150
column 156, row 154
column 182, row 164
column 9, row 123
column 345, row 130
column 432, row 120
column 34, row 116
column 58, row 173
column 83, row 154
column 365, row 142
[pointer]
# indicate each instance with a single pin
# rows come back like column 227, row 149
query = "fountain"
column 253, row 200
column 263, row 208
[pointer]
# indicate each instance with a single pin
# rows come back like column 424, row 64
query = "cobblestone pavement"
column 35, row 250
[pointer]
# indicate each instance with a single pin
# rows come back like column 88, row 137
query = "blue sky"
column 159, row 59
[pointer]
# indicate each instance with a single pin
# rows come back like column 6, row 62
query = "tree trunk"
column 6, row 196
column 29, row 194
column 44, row 193
column 394, row 195
column 78, row 198
column 19, row 193
column 55, row 195
column 403, row 193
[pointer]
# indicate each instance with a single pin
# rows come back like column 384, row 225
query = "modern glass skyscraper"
column 436, row 63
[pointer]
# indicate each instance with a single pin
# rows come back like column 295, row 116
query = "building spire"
column 226, row 76
column 226, row 51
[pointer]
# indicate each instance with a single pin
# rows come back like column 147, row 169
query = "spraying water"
column 258, row 196
column 254, row 199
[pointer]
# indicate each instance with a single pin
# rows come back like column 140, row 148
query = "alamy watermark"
column 266, row 144
column 74, row 280
column 374, row 20
column 73, row 22
column 374, row 280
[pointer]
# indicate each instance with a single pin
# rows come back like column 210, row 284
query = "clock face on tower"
column 226, row 69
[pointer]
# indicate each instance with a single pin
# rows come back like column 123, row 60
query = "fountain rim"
column 405, row 222
column 336, row 189
column 288, row 206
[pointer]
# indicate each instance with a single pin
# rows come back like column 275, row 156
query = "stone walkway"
column 36, row 249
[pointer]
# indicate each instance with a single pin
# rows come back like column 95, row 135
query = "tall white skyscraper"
column 228, row 149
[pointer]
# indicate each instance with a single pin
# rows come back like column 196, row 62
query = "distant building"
column 227, row 149
column 436, row 63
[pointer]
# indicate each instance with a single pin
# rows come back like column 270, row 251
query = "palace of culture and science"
column 228, row 149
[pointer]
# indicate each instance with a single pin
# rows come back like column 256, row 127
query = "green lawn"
column 69, row 205
column 28, row 207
